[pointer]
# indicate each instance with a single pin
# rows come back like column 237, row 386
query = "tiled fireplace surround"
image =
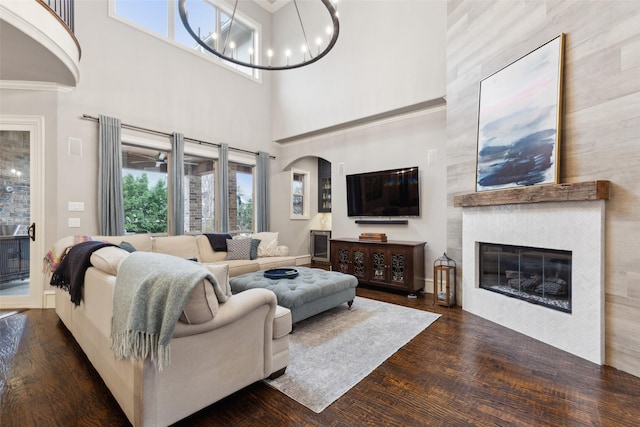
column 576, row 226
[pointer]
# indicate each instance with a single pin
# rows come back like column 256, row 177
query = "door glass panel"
column 15, row 212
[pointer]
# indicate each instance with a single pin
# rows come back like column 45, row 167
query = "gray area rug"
column 333, row 351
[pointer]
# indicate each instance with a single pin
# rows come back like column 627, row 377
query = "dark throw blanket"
column 70, row 273
column 218, row 241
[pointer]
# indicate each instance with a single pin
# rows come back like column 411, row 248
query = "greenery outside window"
column 209, row 19
column 299, row 194
column 144, row 185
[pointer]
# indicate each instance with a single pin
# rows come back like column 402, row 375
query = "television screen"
column 384, row 193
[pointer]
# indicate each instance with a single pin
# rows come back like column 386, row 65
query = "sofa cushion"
column 238, row 249
column 142, row 242
column 180, row 246
column 207, row 254
column 201, row 306
column 108, row 259
column 238, row 267
column 268, row 243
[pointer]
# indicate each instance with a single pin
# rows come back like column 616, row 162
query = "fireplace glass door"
column 536, row 275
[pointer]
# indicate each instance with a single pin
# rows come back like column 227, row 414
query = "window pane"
column 239, row 35
column 202, row 19
column 144, row 185
column 240, row 198
column 298, row 183
column 298, row 205
column 152, row 15
column 199, row 174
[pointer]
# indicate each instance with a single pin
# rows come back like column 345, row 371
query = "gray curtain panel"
column 223, row 188
column 262, row 192
column 176, row 174
column 110, row 198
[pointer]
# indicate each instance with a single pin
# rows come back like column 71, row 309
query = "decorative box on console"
column 373, row 237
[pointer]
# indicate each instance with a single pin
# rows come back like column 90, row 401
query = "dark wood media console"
column 397, row 265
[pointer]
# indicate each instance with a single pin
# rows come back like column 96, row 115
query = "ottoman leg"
column 349, row 303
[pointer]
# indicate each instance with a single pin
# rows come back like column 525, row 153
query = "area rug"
column 333, row 351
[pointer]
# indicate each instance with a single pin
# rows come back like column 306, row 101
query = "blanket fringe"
column 141, row 345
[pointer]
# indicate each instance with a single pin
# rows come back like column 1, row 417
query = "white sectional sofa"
column 246, row 340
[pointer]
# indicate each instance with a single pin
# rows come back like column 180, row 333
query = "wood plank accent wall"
column 600, row 136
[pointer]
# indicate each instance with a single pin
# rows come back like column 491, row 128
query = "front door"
column 21, row 225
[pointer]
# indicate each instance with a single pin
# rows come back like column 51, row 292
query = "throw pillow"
column 221, row 273
column 201, row 306
column 268, row 243
column 238, row 249
column 254, row 248
column 127, row 246
column 108, row 259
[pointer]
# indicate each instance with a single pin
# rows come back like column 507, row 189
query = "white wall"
column 393, row 143
column 389, row 55
column 149, row 82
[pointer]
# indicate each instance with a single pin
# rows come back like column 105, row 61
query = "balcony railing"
column 63, row 9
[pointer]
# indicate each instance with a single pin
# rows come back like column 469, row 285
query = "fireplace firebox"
column 536, row 275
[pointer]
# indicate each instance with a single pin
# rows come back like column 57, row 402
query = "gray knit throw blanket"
column 150, row 292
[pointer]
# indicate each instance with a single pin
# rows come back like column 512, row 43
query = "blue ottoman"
column 313, row 291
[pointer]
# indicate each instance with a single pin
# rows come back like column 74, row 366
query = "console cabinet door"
column 349, row 259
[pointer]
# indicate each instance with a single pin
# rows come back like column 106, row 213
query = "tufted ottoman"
column 313, row 291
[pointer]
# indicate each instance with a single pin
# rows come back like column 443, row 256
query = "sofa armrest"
column 234, row 308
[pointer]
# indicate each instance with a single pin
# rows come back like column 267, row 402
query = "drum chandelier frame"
column 328, row 4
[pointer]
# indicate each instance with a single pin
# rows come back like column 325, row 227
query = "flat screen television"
column 394, row 192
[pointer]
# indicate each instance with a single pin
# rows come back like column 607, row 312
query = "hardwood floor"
column 462, row 370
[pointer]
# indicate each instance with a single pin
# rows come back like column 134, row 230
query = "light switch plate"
column 76, row 206
column 74, row 222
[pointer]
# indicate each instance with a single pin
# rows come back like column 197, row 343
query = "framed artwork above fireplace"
column 519, row 121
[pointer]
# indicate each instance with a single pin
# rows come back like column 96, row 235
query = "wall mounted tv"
column 386, row 193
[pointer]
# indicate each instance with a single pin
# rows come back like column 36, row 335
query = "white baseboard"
column 303, row 259
column 49, row 299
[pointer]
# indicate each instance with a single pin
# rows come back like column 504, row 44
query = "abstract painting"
column 519, row 121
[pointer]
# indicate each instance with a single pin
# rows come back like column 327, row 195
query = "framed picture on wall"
column 519, row 121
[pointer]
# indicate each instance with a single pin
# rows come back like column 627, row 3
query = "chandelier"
column 225, row 48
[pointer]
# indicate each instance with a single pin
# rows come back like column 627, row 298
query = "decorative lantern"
column 444, row 281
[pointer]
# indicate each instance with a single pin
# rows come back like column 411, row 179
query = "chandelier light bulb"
column 329, row 30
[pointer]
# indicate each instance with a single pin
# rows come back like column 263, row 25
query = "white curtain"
column 223, row 187
column 176, row 174
column 110, row 198
column 262, row 192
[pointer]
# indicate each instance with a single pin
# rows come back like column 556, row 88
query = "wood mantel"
column 578, row 191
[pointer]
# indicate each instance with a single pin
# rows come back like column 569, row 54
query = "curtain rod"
column 169, row 135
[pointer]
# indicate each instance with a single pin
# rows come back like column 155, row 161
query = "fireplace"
column 575, row 228
column 536, row 275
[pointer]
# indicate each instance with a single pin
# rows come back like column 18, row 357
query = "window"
column 144, row 186
column 299, row 194
column 199, row 201
column 209, row 19
column 240, row 198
